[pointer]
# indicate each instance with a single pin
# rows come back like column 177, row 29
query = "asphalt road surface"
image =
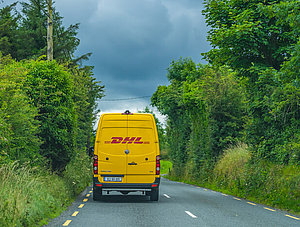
column 179, row 205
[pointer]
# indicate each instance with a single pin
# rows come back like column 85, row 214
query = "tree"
column 8, row 30
column 205, row 106
column 18, row 123
column 33, row 29
column 50, row 87
column 159, row 126
column 260, row 40
column 247, row 34
column 87, row 91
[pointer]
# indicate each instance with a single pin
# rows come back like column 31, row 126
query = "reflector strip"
column 292, row 217
column 67, row 223
column 75, row 214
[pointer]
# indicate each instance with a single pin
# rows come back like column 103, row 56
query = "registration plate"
column 112, row 179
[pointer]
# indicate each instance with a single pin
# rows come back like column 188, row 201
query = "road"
column 179, row 205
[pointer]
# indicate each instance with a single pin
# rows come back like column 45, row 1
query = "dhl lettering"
column 126, row 140
column 116, row 139
column 129, row 140
column 137, row 141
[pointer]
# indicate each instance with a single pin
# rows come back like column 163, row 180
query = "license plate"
column 113, row 179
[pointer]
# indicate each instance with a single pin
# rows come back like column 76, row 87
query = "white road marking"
column 167, row 196
column 190, row 214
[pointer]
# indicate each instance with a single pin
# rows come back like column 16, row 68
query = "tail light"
column 157, row 165
column 95, row 165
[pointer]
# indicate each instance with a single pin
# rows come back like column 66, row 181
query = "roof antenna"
column 127, row 112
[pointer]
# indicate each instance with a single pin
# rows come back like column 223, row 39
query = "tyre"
column 154, row 194
column 97, row 194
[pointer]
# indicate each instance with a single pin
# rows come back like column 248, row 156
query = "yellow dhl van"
column 126, row 155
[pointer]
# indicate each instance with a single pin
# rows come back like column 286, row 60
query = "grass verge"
column 29, row 196
column 238, row 174
column 165, row 166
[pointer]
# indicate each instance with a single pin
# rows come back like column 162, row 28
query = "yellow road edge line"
column 81, row 205
column 85, row 200
column 90, row 191
column 75, row 213
column 251, row 203
column 236, row 198
column 67, row 223
column 88, row 195
column 266, row 208
column 292, row 217
column 205, row 189
column 224, row 194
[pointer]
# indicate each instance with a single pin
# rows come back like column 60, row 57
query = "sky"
column 133, row 42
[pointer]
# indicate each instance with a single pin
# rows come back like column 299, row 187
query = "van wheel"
column 154, row 194
column 97, row 194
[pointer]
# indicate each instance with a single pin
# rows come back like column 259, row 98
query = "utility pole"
column 49, row 31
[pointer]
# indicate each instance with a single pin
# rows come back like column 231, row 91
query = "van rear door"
column 142, row 152
column 112, row 157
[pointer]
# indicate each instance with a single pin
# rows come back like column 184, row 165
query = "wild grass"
column 259, row 180
column 238, row 173
column 29, row 196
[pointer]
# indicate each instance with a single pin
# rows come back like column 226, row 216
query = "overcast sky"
column 133, row 43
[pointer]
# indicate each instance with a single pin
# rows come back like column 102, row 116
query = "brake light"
column 95, row 165
column 157, row 165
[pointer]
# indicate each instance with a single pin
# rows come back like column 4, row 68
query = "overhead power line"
column 114, row 100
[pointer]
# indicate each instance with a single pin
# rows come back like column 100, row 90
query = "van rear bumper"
column 125, row 186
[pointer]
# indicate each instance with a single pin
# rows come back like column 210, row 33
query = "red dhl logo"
column 128, row 140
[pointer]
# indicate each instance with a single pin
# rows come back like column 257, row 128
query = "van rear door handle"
column 132, row 164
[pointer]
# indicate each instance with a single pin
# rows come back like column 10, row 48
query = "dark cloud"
column 133, row 42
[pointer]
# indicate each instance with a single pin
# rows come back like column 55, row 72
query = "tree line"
column 47, row 108
column 248, row 92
